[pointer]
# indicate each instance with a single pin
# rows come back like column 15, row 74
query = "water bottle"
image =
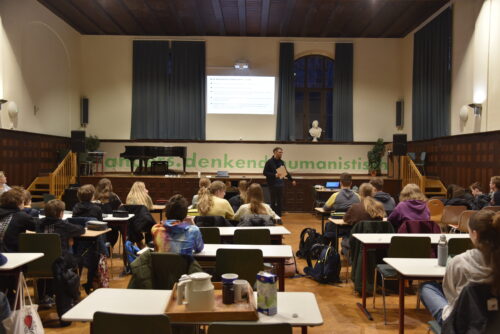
column 442, row 251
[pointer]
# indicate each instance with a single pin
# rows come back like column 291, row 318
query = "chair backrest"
column 82, row 221
column 48, row 197
column 492, row 208
column 412, row 155
column 410, row 247
column 463, row 220
column 423, row 155
column 132, row 208
column 106, row 323
column 47, row 243
column 244, row 262
column 436, row 208
column 231, row 328
column 372, row 226
column 167, row 268
column 258, row 236
column 459, row 245
column 419, row 226
column 211, row 235
column 256, row 220
column 211, row 221
column 451, row 214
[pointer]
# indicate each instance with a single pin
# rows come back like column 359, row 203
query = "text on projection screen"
column 240, row 95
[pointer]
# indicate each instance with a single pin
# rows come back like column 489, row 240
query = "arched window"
column 313, row 95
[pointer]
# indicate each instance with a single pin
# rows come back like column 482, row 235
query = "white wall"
column 40, row 57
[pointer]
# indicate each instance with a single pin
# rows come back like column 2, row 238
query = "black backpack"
column 327, row 268
column 308, row 238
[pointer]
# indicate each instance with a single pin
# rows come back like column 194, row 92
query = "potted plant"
column 92, row 143
column 375, row 157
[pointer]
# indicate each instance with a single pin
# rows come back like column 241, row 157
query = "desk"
column 158, row 209
column 383, row 240
column 271, row 253
column 89, row 234
column 132, row 301
column 408, row 269
column 324, row 213
column 277, row 232
column 16, row 260
column 122, row 224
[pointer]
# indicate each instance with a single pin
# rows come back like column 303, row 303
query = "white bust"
column 315, row 131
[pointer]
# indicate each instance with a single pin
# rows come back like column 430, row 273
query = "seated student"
column 412, row 206
column 178, row 234
column 255, row 205
column 203, row 184
column 480, row 199
column 13, row 220
column 456, row 195
column 3, row 183
column 367, row 209
column 108, row 201
column 85, row 208
column 383, row 197
column 212, row 202
column 478, row 265
column 27, row 205
column 342, row 200
column 143, row 221
column 237, row 200
column 495, row 190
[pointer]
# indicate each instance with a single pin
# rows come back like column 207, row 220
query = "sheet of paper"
column 282, row 173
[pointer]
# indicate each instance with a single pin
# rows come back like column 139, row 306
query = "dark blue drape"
column 285, row 124
column 432, row 78
column 342, row 93
column 168, row 90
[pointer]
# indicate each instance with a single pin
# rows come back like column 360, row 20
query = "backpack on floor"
column 327, row 268
column 308, row 238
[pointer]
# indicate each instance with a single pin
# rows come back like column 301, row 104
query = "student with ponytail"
column 478, row 265
column 255, row 204
column 203, row 185
column 211, row 201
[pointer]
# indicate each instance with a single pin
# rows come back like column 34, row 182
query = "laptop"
column 332, row 185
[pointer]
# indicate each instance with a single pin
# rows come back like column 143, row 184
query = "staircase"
column 434, row 187
column 429, row 185
column 39, row 187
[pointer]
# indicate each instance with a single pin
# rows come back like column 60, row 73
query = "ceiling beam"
column 330, row 20
column 242, row 17
column 178, row 20
column 199, row 20
column 373, row 19
column 290, row 5
column 264, row 17
column 409, row 7
column 219, row 17
column 311, row 11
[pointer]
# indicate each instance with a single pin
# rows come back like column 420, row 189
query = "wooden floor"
column 337, row 302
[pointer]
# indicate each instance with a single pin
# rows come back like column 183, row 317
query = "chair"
column 412, row 155
column 211, row 221
column 167, row 268
column 141, row 222
column 419, row 226
column 420, row 163
column 463, row 221
column 450, row 216
column 492, row 208
column 163, row 165
column 231, row 328
column 261, row 236
column 111, row 323
column 402, row 247
column 47, row 243
column 436, row 208
column 211, row 235
column 244, row 262
column 459, row 245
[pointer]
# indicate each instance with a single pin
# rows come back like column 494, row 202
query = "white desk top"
column 275, row 251
column 15, row 260
column 104, row 218
column 385, row 238
column 416, row 267
column 274, row 230
column 129, row 301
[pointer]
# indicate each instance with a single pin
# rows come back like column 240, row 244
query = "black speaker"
column 78, row 141
column 84, row 111
column 399, row 113
column 399, row 144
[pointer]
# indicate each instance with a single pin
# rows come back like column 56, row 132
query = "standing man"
column 275, row 180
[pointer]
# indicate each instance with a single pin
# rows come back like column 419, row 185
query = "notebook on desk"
column 332, row 185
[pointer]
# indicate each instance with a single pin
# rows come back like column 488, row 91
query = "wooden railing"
column 63, row 175
column 411, row 174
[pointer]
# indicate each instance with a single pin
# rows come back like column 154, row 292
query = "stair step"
column 42, row 185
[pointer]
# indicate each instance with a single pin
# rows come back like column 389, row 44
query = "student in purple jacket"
column 412, row 206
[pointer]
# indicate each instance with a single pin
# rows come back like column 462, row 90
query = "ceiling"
column 283, row 18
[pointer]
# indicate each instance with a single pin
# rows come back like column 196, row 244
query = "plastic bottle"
column 442, row 251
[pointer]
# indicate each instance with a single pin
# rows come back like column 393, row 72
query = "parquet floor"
column 337, row 302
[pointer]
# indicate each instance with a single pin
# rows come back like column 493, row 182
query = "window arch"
column 313, row 95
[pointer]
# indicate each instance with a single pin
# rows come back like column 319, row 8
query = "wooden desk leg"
column 363, row 283
column 304, row 330
column 281, row 274
column 401, row 305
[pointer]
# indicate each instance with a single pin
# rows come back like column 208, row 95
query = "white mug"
column 240, row 290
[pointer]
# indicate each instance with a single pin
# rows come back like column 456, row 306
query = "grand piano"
column 145, row 153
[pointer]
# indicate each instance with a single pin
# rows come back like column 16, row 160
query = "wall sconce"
column 241, row 65
column 477, row 107
column 2, row 101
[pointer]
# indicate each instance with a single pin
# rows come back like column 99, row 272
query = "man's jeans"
column 432, row 296
column 4, row 310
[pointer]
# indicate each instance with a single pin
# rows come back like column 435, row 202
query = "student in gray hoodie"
column 478, row 265
column 342, row 200
column 383, row 197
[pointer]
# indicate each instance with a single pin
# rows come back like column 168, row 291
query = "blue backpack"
column 327, row 268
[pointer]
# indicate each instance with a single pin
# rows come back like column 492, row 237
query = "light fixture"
column 464, row 113
column 241, row 65
column 2, row 101
column 477, row 107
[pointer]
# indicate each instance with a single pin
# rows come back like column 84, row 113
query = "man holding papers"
column 275, row 172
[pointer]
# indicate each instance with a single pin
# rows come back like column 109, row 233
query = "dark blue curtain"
column 432, row 78
column 342, row 93
column 168, row 90
column 285, row 124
